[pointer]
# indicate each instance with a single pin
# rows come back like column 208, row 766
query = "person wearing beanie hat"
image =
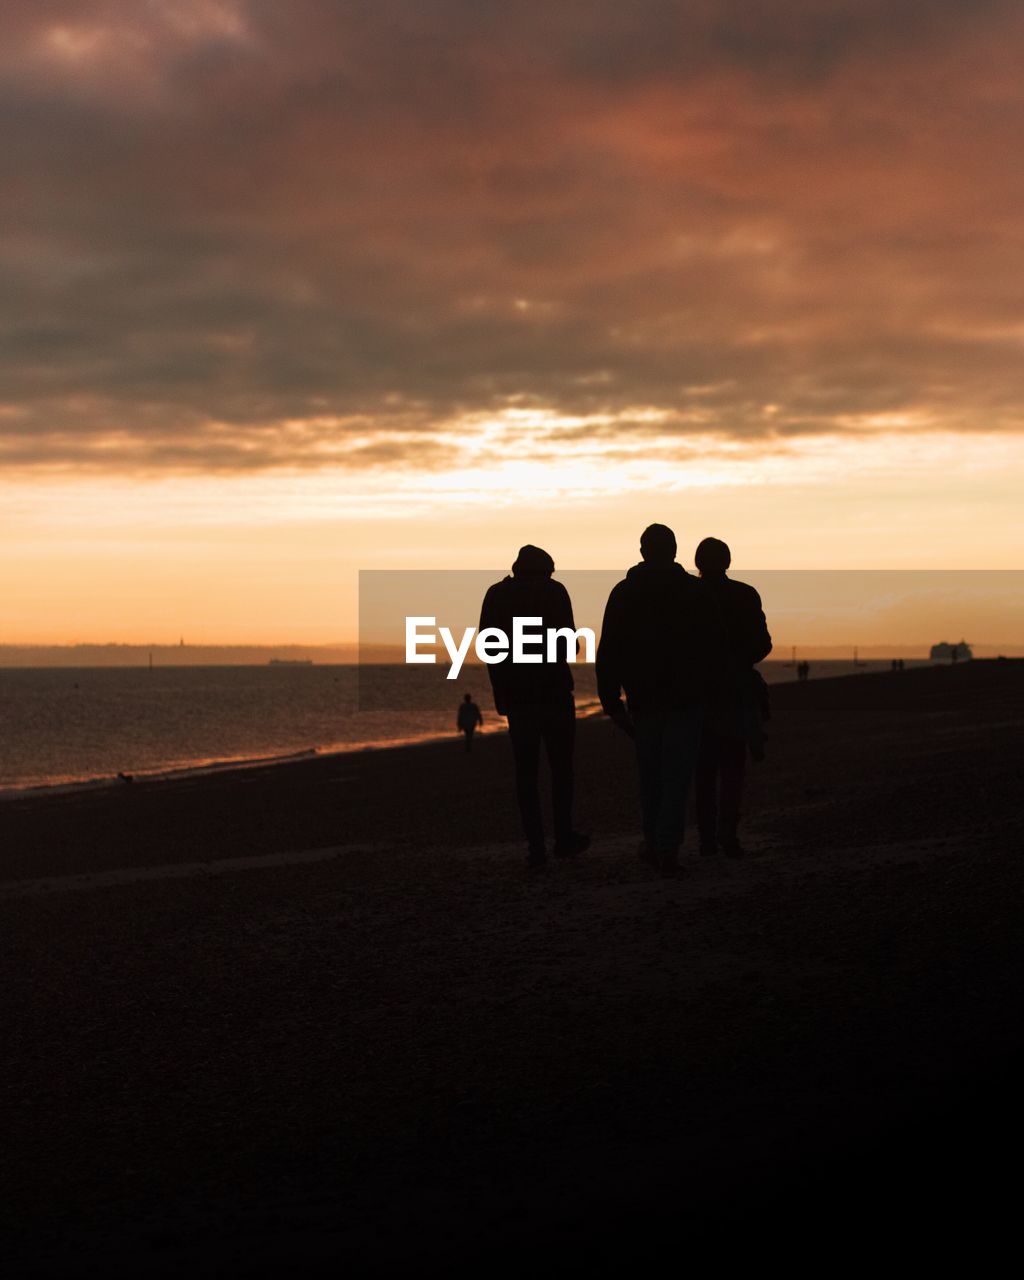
column 538, row 700
column 533, row 561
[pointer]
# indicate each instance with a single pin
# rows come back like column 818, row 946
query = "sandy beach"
column 321, row 1014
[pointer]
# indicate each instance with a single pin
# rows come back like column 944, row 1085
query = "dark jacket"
column 660, row 641
column 741, row 701
column 738, row 607
column 528, row 684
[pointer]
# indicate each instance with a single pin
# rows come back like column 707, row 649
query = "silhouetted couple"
column 682, row 650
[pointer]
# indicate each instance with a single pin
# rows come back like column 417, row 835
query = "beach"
column 321, row 1014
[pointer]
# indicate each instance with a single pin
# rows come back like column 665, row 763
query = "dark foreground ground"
column 319, row 1018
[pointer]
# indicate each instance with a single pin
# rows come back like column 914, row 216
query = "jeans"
column 667, row 743
column 720, row 770
column 552, row 724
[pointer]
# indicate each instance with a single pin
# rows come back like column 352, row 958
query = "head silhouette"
column 468, row 697
column 533, row 562
column 712, row 558
column 658, row 544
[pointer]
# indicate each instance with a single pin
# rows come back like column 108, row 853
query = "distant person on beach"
column 658, row 645
column 538, row 700
column 803, row 670
column 468, row 719
column 733, row 721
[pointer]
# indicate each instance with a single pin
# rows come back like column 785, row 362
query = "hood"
column 533, row 562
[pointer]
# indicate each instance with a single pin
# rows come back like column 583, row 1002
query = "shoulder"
column 743, row 591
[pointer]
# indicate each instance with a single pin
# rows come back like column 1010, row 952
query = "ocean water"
column 64, row 726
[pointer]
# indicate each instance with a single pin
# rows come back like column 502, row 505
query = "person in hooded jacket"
column 660, row 644
column 537, row 699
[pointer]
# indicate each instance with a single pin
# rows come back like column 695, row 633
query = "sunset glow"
column 295, row 290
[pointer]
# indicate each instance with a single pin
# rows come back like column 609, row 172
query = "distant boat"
column 291, row 662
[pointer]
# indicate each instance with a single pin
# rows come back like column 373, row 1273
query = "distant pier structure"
column 946, row 652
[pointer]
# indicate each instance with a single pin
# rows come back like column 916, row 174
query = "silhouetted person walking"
column 538, row 700
column 658, row 645
column 733, row 720
column 468, row 719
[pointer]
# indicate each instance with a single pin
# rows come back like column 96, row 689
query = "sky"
column 290, row 290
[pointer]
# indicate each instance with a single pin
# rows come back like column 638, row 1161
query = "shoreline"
column 207, row 768
column 204, row 767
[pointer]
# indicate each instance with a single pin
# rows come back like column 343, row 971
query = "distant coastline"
column 175, row 655
column 209, row 655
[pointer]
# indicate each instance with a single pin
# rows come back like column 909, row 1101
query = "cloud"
column 243, row 235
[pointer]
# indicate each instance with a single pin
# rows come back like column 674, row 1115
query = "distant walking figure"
column 658, row 644
column 467, row 720
column 733, row 721
column 537, row 699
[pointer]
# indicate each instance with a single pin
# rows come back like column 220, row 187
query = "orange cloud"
column 243, row 236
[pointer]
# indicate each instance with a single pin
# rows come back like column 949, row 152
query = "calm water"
column 60, row 726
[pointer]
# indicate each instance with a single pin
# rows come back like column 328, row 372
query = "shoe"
column 577, row 843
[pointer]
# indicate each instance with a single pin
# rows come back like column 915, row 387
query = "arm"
column 562, row 613
column 491, row 616
column 610, row 655
column 760, row 639
column 565, row 618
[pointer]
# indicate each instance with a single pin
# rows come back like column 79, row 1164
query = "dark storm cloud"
column 253, row 234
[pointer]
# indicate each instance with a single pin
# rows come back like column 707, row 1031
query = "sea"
column 72, row 727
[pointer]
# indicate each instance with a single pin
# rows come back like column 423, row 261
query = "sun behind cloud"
column 446, row 257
